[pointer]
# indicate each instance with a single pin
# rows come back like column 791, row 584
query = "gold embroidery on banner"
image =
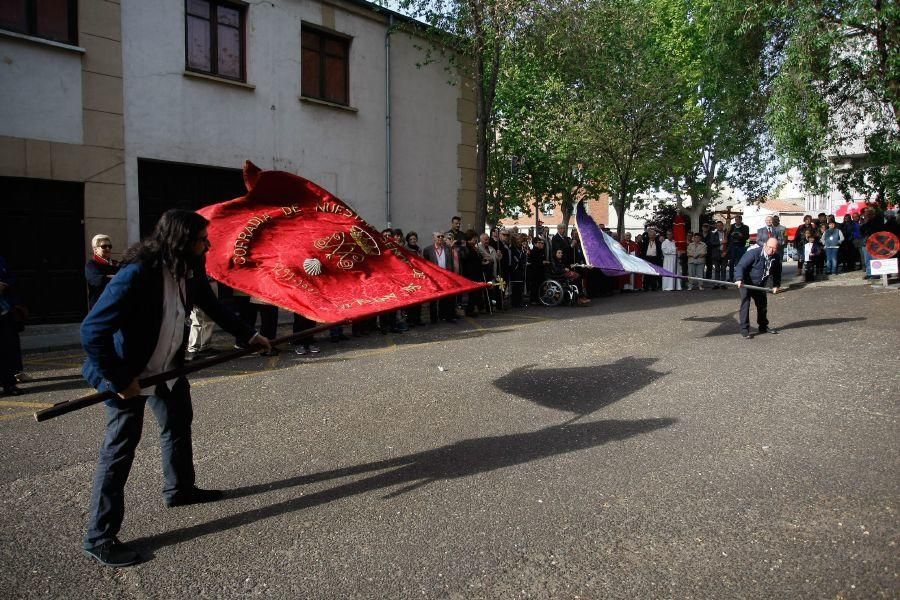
column 365, row 301
column 288, row 276
column 411, row 288
column 243, row 240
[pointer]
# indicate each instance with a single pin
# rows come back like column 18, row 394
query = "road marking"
column 25, row 404
column 53, row 359
column 15, row 415
column 475, row 324
column 497, row 316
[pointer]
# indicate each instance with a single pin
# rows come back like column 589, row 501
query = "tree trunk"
column 619, row 207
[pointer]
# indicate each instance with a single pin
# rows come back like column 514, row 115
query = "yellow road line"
column 25, row 404
column 15, row 415
column 498, row 316
column 52, row 359
column 475, row 324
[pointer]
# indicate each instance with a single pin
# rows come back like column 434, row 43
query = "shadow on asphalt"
column 580, row 390
column 728, row 324
column 820, row 322
column 412, row 471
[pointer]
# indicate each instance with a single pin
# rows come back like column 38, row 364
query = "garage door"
column 42, row 239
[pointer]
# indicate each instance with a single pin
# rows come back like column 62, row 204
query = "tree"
column 721, row 139
column 536, row 122
column 475, row 32
column 835, row 109
column 628, row 93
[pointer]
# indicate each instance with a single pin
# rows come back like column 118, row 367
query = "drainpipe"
column 387, row 119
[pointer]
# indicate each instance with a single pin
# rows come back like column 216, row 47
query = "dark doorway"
column 163, row 185
column 42, row 239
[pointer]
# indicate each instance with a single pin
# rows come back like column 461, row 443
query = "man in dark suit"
column 441, row 255
column 560, row 241
column 651, row 251
column 764, row 233
column 738, row 234
column 761, row 265
column 136, row 329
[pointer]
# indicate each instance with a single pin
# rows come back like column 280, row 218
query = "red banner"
column 295, row 245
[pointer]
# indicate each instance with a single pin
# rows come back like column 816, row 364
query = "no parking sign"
column 883, row 267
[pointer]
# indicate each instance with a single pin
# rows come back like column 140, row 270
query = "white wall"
column 170, row 116
column 40, row 91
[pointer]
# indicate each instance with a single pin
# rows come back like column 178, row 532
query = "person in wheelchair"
column 568, row 283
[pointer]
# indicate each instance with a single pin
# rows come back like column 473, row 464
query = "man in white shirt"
column 134, row 331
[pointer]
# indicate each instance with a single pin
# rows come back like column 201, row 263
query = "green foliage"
column 836, row 92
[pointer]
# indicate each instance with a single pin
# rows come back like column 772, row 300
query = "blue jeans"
column 831, row 258
column 124, row 423
column 866, row 259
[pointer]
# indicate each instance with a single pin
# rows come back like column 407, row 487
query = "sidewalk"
column 66, row 336
column 55, row 338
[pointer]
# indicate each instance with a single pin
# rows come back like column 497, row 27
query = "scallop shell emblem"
column 312, row 266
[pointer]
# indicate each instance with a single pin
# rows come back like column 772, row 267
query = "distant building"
column 112, row 113
column 597, row 208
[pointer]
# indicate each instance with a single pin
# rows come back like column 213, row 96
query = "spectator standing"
column 414, row 313
column 470, row 260
column 870, row 222
column 100, row 268
column 764, row 233
column 716, row 249
column 561, row 241
column 537, row 264
column 704, row 235
column 439, row 254
column 670, row 263
column 780, row 231
column 455, row 231
column 738, row 234
column 651, row 250
column 832, row 240
column 811, row 252
column 696, row 252
column 800, row 240
column 518, row 265
column 632, row 281
column 202, row 326
column 10, row 345
column 848, row 252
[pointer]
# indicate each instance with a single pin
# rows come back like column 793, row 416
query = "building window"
column 51, row 19
column 325, row 66
column 215, row 41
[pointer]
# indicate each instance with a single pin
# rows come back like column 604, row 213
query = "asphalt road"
column 636, row 448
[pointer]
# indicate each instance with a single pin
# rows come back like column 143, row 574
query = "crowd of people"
column 518, row 264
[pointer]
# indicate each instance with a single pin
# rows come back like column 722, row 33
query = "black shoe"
column 113, row 553
column 746, row 335
column 194, row 496
column 772, row 331
column 12, row 390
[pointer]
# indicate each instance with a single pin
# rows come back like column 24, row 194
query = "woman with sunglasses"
column 100, row 268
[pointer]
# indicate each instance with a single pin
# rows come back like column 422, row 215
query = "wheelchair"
column 554, row 292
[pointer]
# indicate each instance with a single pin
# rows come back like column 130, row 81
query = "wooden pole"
column 717, row 282
column 67, row 406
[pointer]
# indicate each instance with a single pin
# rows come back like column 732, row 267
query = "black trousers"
column 10, row 350
column 761, row 301
column 124, row 424
column 268, row 318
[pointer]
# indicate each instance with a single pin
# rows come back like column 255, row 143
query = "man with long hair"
column 137, row 329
